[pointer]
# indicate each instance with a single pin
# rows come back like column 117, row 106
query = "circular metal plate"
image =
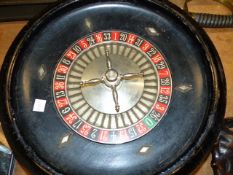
column 112, row 87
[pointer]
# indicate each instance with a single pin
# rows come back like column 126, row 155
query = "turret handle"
column 222, row 161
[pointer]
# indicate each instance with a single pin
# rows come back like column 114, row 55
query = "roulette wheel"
column 112, row 87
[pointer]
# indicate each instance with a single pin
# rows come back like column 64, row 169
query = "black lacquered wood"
column 183, row 138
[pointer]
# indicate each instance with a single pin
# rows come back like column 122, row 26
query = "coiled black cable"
column 212, row 20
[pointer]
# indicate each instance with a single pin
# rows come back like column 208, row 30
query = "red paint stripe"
column 59, row 85
column 62, row 69
column 160, row 107
column 71, row 54
column 115, row 36
column 165, row 90
column 70, row 118
column 131, row 38
column 145, row 46
column 83, row 43
column 163, row 73
column 62, row 102
column 99, row 38
column 157, row 58
column 85, row 130
column 103, row 136
column 141, row 128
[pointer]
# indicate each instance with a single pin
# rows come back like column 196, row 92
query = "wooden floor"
column 222, row 39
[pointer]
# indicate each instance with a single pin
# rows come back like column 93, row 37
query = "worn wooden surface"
column 222, row 39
